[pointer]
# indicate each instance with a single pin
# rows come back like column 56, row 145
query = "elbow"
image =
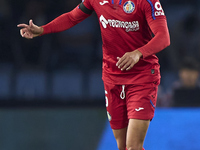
column 163, row 38
column 167, row 43
column 166, row 39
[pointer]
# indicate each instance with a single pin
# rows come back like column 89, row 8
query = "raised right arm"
column 61, row 23
column 67, row 20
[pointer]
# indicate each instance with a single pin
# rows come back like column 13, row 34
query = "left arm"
column 161, row 40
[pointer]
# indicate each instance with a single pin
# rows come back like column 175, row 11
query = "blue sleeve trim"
column 120, row 2
column 112, row 1
column 152, row 104
column 152, row 9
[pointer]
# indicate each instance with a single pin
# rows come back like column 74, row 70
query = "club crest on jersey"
column 129, row 7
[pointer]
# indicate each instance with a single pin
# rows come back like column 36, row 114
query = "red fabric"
column 160, row 41
column 124, row 32
column 139, row 103
column 65, row 21
column 158, row 27
column 118, row 40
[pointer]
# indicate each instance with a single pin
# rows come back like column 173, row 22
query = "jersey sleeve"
column 66, row 21
column 153, row 10
column 87, row 4
column 157, row 23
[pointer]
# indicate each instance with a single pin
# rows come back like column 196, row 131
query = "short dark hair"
column 190, row 63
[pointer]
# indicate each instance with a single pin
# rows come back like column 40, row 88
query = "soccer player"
column 133, row 31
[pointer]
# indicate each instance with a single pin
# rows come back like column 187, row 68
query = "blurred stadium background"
column 51, row 92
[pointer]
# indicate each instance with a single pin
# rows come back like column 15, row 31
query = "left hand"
column 128, row 60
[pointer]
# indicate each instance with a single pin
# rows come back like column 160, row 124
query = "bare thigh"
column 120, row 136
column 136, row 133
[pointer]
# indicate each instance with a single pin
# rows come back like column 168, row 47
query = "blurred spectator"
column 186, row 91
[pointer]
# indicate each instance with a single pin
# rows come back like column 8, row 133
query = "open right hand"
column 30, row 31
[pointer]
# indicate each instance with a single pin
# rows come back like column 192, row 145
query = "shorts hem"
column 141, row 117
column 114, row 127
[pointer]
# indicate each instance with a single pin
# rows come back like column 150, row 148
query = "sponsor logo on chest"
column 127, row 25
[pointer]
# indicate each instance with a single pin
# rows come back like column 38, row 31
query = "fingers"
column 123, row 62
column 26, row 30
column 22, row 25
column 120, row 60
column 24, row 33
column 131, row 66
column 126, row 62
column 31, row 23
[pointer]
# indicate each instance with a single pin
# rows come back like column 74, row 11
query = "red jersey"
column 125, row 27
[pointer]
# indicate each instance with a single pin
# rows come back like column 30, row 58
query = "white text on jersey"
column 159, row 11
column 128, row 26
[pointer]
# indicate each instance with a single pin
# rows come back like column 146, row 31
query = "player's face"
column 189, row 77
